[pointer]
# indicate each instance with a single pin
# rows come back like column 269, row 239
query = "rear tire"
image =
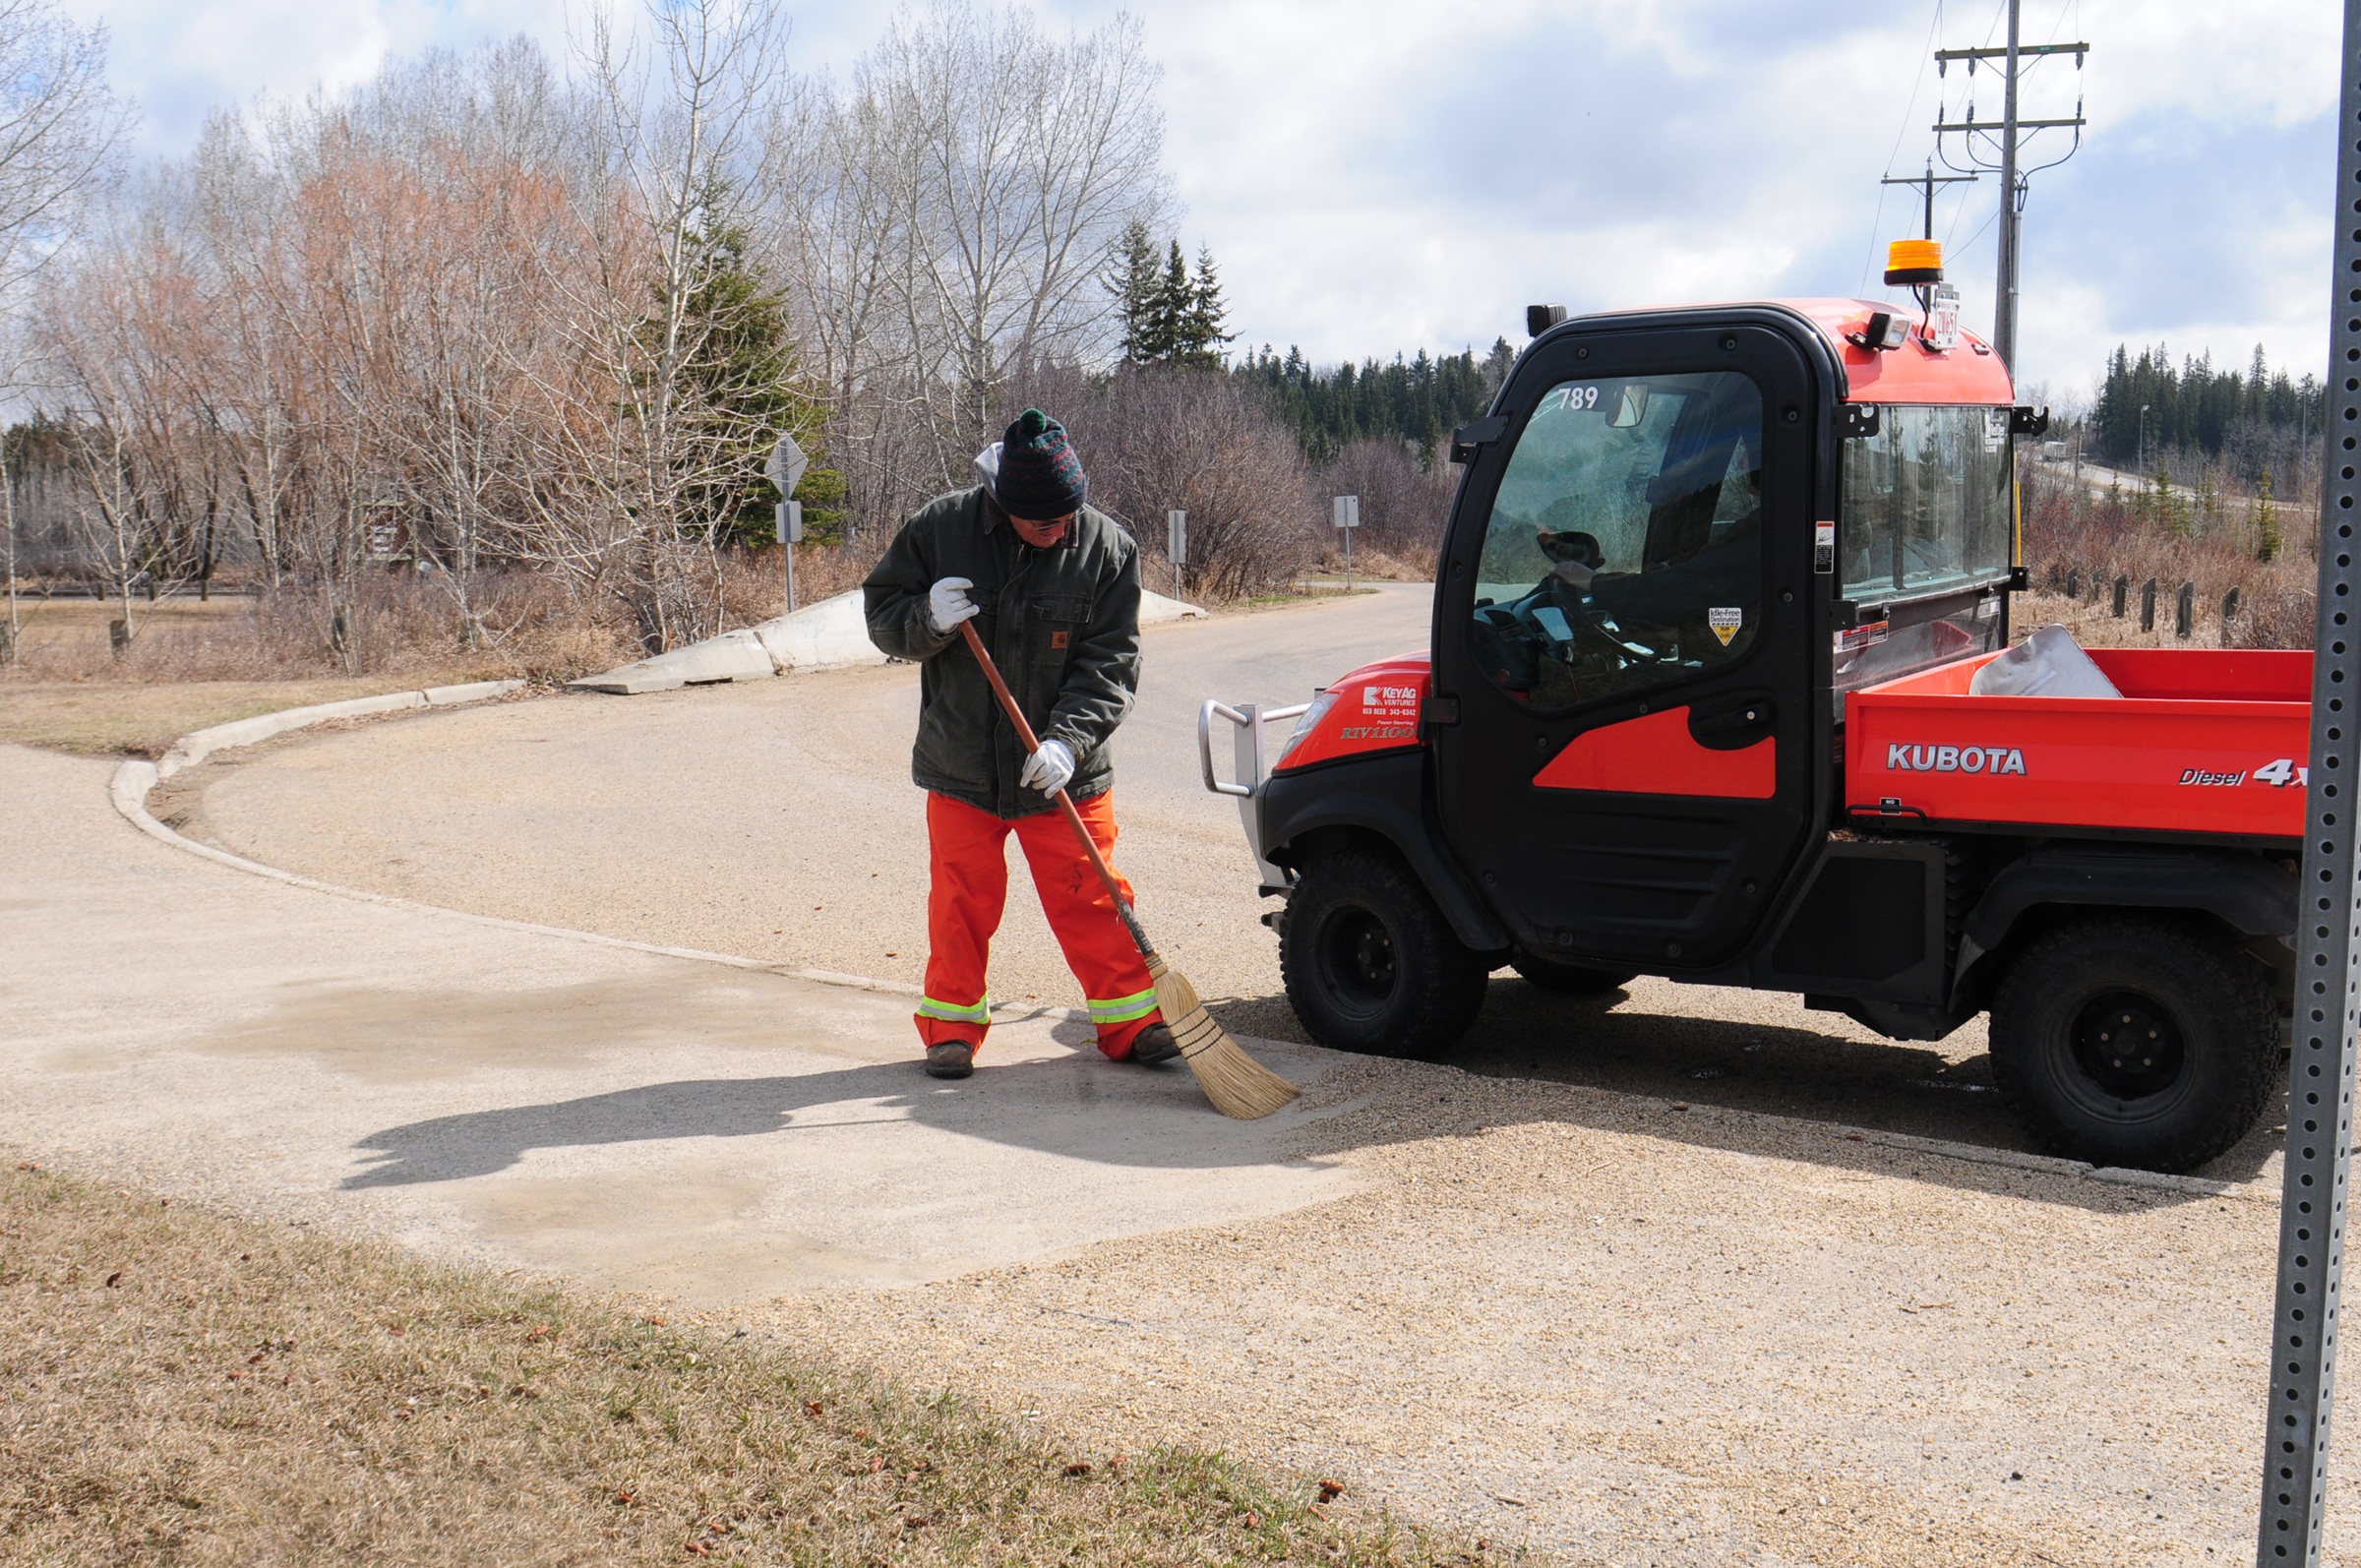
column 1572, row 979
column 2124, row 1041
column 1370, row 963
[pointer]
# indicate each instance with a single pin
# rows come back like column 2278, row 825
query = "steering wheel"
column 1565, row 614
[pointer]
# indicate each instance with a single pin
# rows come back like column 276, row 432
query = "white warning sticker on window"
column 1725, row 621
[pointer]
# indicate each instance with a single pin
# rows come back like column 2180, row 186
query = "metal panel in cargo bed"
column 2200, row 742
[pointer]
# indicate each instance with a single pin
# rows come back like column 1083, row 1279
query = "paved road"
column 777, row 820
column 1638, row 1330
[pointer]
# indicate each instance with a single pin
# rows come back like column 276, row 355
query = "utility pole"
column 1927, row 182
column 2004, row 289
column 2013, row 132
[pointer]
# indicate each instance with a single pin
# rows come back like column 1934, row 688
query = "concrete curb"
column 134, row 780
column 195, row 747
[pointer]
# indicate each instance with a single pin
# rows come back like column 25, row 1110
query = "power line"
column 1934, row 31
column 2015, row 58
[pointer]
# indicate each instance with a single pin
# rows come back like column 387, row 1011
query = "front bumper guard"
column 1250, row 768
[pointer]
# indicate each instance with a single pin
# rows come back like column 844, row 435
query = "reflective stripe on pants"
column 969, row 890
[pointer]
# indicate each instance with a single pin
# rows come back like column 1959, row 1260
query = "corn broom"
column 1237, row 1084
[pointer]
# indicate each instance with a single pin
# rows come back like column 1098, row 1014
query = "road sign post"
column 785, row 470
column 791, row 534
column 1348, row 517
column 1176, row 544
column 2328, row 932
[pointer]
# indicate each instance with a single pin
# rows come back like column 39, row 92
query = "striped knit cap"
column 1040, row 477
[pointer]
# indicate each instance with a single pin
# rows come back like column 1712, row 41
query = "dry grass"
column 2095, row 626
column 180, row 1388
column 1375, row 562
column 112, row 720
column 2102, row 537
column 384, row 625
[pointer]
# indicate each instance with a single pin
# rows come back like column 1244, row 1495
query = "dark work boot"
column 953, row 1059
column 1153, row 1044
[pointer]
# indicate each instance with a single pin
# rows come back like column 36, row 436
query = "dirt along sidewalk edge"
column 134, row 778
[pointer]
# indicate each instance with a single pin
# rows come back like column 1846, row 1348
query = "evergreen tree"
column 1169, row 339
column 1138, row 285
column 2165, row 507
column 747, row 369
column 1200, row 339
column 2264, row 518
column 2195, row 408
column 1417, row 402
column 1166, row 316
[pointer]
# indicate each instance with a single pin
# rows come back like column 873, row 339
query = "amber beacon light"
column 1914, row 262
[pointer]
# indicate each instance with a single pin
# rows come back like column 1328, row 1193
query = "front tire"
column 2136, row 1042
column 1370, row 963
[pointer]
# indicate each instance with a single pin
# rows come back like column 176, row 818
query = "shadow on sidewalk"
column 1081, row 1107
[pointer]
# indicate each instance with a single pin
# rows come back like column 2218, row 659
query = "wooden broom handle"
column 1065, row 801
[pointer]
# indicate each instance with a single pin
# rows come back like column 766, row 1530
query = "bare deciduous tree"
column 1156, row 437
column 948, row 217
column 59, row 128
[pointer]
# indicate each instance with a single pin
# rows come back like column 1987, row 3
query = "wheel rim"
column 1356, row 959
column 2128, row 1045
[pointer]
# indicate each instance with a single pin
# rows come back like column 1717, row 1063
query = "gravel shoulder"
column 1625, row 1333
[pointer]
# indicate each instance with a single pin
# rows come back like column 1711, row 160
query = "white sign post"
column 1176, row 544
column 785, row 469
column 1348, row 517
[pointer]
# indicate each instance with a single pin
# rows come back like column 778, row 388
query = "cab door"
column 1624, row 622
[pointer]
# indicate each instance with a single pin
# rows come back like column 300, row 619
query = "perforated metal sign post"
column 2320, row 1096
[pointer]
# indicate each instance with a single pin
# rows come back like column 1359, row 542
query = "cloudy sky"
column 1377, row 176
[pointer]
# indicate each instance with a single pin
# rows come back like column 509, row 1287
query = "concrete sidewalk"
column 527, row 1101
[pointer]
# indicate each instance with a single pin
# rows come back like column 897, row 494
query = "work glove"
column 947, row 604
column 1048, row 768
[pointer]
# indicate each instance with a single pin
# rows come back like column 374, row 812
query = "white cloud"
column 1393, row 174
column 183, row 60
column 1384, row 176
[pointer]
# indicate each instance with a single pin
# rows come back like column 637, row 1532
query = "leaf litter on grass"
column 246, row 1393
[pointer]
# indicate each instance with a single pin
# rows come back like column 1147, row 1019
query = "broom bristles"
column 1238, row 1085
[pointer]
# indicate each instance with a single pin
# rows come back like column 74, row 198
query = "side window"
column 1626, row 545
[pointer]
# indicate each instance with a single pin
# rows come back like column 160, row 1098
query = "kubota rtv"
column 1696, row 704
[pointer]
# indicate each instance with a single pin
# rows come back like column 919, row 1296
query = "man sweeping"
column 1053, row 587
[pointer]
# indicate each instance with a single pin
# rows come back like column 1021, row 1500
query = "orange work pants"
column 970, row 888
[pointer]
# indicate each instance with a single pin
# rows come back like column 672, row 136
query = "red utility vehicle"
column 1714, row 587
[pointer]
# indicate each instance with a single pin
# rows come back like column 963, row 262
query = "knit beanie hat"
column 1039, row 476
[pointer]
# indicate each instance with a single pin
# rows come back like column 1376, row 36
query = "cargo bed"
column 2202, row 741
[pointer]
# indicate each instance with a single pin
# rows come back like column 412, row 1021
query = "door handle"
column 1734, row 723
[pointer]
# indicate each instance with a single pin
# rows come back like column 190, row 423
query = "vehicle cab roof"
column 1970, row 371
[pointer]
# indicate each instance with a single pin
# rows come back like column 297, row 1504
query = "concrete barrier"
column 731, row 656
column 832, row 635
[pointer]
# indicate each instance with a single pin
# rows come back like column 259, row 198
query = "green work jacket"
column 1062, row 624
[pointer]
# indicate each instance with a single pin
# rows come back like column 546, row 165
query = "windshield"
column 1926, row 505
column 1626, row 545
